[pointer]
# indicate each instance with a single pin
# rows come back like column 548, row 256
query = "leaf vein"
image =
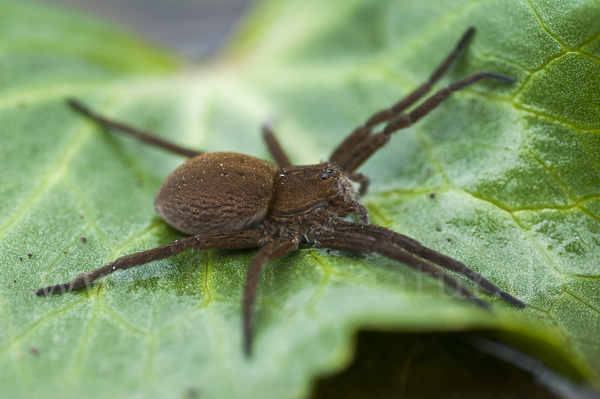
column 78, row 356
column 52, row 176
column 36, row 324
column 583, row 302
column 543, row 25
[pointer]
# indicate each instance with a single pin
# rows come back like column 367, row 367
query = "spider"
column 230, row 200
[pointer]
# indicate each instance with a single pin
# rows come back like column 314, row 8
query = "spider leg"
column 383, row 234
column 277, row 152
column 239, row 239
column 342, row 152
column 126, row 129
column 362, row 243
column 370, row 144
column 272, row 250
column 362, row 180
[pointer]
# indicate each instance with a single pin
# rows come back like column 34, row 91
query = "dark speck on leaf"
column 432, row 195
column 35, row 351
column 450, row 240
column 21, row 258
column 15, row 281
column 438, row 228
column 30, row 254
column 83, row 239
column 65, row 252
column 192, row 393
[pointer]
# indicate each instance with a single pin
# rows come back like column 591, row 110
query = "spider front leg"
column 371, row 144
column 342, row 152
column 362, row 180
column 232, row 240
column 363, row 243
column 413, row 246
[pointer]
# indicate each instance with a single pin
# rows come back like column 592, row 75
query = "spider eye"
column 329, row 170
column 324, row 176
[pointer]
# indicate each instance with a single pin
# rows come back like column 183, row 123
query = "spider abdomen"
column 216, row 192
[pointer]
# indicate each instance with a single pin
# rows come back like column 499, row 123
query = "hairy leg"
column 277, row 248
column 362, row 243
column 362, row 180
column 341, row 153
column 240, row 239
column 370, row 144
column 383, row 234
column 277, row 152
column 126, row 129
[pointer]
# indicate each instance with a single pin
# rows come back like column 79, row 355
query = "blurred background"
column 194, row 28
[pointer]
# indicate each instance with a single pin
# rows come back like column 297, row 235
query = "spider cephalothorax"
column 309, row 190
column 230, row 200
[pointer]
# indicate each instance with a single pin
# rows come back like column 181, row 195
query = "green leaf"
column 514, row 168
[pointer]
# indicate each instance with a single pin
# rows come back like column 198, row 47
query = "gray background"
column 194, row 28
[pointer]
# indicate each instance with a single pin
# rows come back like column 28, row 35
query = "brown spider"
column 229, row 200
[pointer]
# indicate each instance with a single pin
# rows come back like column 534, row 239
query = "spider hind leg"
column 275, row 149
column 130, row 130
column 238, row 239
